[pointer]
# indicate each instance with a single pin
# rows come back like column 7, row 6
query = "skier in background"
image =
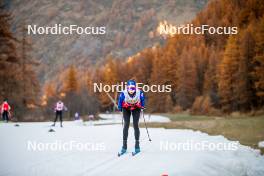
column 59, row 108
column 5, row 110
column 76, row 116
column 131, row 101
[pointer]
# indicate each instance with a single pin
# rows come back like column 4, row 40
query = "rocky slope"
column 130, row 25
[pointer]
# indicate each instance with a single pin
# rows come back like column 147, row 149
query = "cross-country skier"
column 59, row 108
column 76, row 116
column 5, row 110
column 131, row 101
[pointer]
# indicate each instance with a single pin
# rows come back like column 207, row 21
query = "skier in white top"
column 59, row 108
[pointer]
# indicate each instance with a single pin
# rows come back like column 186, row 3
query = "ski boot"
column 122, row 152
column 124, row 148
column 137, row 149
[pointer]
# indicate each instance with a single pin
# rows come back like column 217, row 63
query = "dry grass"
column 247, row 130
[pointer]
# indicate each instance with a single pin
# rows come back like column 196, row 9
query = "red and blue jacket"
column 131, row 102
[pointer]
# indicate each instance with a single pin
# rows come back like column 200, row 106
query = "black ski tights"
column 126, row 115
column 58, row 114
column 5, row 116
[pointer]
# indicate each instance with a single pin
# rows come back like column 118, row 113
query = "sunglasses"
column 131, row 88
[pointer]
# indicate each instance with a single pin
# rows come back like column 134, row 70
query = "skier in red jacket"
column 5, row 109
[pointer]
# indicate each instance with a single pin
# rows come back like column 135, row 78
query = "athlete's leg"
column 126, row 116
column 60, row 114
column 56, row 117
column 136, row 116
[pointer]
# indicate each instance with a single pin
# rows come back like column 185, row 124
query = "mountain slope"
column 129, row 27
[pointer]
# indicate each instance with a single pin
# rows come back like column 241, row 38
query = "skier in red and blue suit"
column 131, row 101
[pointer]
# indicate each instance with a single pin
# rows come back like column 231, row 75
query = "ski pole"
column 115, row 105
column 122, row 120
column 145, row 125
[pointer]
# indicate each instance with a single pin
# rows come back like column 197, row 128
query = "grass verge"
column 245, row 129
